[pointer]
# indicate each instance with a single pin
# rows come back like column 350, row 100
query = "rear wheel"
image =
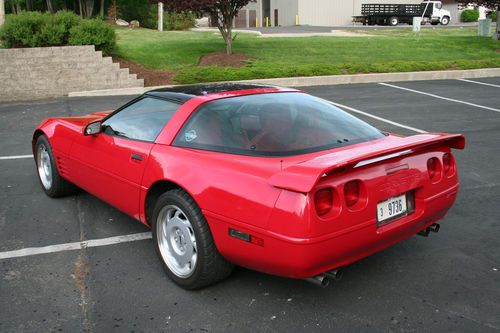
column 445, row 20
column 50, row 179
column 184, row 242
column 393, row 21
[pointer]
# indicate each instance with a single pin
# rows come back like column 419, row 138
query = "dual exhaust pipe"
column 323, row 280
column 433, row 228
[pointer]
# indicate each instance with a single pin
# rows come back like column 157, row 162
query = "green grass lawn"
column 388, row 50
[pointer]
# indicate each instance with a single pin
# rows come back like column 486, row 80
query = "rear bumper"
column 306, row 257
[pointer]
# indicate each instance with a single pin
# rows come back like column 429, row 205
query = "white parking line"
column 31, row 251
column 483, row 83
column 378, row 118
column 441, row 97
column 15, row 157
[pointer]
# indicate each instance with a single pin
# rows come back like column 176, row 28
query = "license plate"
column 391, row 209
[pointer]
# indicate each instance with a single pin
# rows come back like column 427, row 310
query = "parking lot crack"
column 82, row 272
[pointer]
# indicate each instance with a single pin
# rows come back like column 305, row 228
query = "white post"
column 2, row 12
column 160, row 16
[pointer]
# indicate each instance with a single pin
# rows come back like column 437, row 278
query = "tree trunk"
column 80, row 7
column 498, row 22
column 2, row 12
column 102, row 9
column 49, row 6
column 89, row 8
column 18, row 8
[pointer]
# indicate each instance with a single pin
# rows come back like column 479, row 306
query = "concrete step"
column 50, row 74
column 88, row 58
column 54, row 72
column 42, row 52
column 62, row 90
column 62, row 65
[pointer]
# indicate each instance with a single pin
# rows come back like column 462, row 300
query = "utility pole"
column 497, row 35
column 160, row 16
column 2, row 12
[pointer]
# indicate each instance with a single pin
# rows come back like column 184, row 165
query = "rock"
column 121, row 23
column 134, row 24
column 202, row 22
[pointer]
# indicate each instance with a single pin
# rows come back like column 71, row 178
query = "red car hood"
column 302, row 176
column 85, row 120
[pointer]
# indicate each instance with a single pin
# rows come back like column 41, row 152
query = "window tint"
column 276, row 124
column 142, row 120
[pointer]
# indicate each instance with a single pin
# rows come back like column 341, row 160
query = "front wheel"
column 184, row 242
column 445, row 20
column 50, row 179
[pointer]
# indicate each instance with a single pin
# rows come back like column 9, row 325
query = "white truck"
column 393, row 14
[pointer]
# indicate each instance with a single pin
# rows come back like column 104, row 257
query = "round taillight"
column 323, row 201
column 447, row 161
column 432, row 167
column 351, row 193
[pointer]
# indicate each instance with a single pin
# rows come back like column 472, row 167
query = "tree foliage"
column 223, row 11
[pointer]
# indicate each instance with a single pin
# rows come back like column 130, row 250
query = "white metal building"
column 314, row 12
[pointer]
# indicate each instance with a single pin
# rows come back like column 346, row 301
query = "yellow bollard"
column 257, row 22
column 267, row 22
column 296, row 19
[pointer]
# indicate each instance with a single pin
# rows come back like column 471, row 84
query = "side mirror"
column 93, row 128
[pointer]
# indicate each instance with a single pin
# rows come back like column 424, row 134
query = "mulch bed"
column 152, row 77
column 224, row 60
column 160, row 77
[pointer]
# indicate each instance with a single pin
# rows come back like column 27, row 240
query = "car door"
column 111, row 164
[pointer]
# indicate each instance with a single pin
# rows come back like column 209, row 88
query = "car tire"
column 393, row 21
column 445, row 20
column 184, row 242
column 51, row 181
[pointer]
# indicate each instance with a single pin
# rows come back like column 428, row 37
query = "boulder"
column 121, row 23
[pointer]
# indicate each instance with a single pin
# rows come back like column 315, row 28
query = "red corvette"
column 268, row 178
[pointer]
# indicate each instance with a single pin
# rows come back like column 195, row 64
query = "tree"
column 223, row 10
column 2, row 12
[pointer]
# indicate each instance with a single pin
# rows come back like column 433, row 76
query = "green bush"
column 171, row 21
column 55, row 30
column 23, row 30
column 493, row 16
column 94, row 32
column 34, row 29
column 470, row 15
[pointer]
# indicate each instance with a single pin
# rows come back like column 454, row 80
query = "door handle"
column 137, row 157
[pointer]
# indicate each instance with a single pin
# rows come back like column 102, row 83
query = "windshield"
column 276, row 124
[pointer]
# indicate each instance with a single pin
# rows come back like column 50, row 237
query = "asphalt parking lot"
column 449, row 282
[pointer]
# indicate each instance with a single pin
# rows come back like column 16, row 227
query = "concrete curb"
column 328, row 80
column 252, row 32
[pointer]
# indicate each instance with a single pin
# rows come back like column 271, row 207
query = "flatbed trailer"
column 393, row 14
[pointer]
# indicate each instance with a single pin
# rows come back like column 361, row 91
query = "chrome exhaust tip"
column 320, row 280
column 335, row 274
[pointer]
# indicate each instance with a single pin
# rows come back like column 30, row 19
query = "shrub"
column 470, row 15
column 55, row 30
column 493, row 15
column 94, row 32
column 23, row 30
column 171, row 21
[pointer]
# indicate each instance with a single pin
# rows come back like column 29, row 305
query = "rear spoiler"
column 303, row 176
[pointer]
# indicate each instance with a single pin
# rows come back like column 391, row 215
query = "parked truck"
column 393, row 14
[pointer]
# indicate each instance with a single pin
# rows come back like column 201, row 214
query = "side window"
column 142, row 120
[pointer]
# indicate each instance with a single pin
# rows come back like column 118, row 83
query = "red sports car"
column 268, row 178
